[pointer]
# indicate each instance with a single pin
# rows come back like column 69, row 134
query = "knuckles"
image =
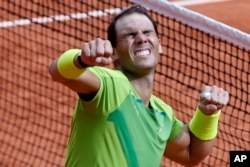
column 97, row 52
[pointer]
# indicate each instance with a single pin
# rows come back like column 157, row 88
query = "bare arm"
column 96, row 52
column 187, row 149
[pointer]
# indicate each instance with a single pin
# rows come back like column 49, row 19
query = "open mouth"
column 142, row 53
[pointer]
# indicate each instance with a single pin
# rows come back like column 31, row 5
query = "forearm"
column 68, row 71
column 203, row 130
column 199, row 149
column 66, row 67
column 197, row 138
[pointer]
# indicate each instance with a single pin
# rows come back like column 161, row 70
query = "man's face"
column 138, row 46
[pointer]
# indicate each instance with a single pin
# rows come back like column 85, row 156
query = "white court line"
column 23, row 22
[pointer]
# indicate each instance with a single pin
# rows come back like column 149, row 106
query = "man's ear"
column 160, row 47
column 115, row 55
column 115, row 58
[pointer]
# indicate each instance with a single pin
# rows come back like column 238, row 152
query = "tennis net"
column 36, row 112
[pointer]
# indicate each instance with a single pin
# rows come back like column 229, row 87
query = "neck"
column 143, row 86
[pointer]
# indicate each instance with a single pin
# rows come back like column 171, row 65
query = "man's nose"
column 140, row 37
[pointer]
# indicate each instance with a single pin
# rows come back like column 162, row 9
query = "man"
column 118, row 122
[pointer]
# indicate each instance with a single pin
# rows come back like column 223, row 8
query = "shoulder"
column 161, row 106
column 110, row 78
column 159, row 103
column 106, row 72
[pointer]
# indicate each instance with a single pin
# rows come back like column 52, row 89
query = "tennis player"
column 117, row 121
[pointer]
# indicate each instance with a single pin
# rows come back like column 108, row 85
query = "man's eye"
column 147, row 32
column 130, row 35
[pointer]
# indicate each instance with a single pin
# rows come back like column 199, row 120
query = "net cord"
column 198, row 21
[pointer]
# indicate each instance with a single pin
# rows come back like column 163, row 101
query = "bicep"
column 177, row 148
column 187, row 149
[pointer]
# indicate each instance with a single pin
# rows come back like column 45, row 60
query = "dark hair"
column 134, row 9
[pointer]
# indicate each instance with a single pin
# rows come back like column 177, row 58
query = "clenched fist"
column 97, row 52
column 212, row 99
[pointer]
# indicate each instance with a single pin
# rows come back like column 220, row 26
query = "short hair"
column 134, row 9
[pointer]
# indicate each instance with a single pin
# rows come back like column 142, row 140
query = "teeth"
column 142, row 53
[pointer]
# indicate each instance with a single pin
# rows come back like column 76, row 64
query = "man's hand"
column 97, row 52
column 213, row 99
